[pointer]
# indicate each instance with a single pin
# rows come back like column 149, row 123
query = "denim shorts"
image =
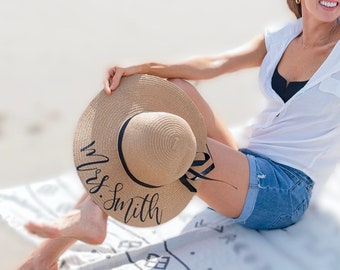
column 278, row 194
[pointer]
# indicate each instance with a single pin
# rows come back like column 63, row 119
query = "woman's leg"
column 215, row 127
column 226, row 196
column 46, row 255
column 87, row 222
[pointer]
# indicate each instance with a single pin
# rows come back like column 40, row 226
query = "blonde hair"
column 295, row 8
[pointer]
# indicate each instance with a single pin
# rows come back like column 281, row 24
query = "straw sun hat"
column 141, row 152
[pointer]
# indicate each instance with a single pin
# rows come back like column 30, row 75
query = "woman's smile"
column 329, row 4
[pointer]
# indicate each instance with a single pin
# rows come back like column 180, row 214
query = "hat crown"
column 158, row 147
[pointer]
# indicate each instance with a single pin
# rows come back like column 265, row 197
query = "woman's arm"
column 198, row 68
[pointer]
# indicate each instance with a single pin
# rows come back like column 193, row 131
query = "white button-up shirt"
column 304, row 132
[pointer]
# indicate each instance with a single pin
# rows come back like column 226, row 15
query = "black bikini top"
column 284, row 90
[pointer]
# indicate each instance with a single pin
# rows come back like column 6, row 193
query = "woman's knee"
column 186, row 86
column 215, row 127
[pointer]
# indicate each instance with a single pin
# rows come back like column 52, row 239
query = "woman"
column 293, row 143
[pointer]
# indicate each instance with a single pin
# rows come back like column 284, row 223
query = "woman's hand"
column 114, row 74
column 112, row 79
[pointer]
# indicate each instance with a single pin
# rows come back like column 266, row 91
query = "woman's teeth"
column 328, row 4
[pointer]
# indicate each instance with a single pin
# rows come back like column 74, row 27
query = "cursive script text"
column 96, row 180
column 141, row 208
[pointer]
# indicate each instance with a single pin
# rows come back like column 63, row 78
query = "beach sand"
column 54, row 56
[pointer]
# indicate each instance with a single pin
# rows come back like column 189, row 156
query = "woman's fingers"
column 115, row 79
column 114, row 75
column 112, row 79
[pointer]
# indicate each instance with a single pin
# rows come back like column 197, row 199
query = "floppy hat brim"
column 96, row 155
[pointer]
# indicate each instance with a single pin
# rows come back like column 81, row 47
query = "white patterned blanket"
column 198, row 238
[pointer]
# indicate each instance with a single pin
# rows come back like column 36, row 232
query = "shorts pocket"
column 299, row 211
column 288, row 220
column 299, row 200
column 300, row 197
column 282, row 222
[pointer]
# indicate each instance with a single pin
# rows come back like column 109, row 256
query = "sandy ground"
column 53, row 56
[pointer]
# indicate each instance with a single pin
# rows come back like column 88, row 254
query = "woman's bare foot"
column 87, row 223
